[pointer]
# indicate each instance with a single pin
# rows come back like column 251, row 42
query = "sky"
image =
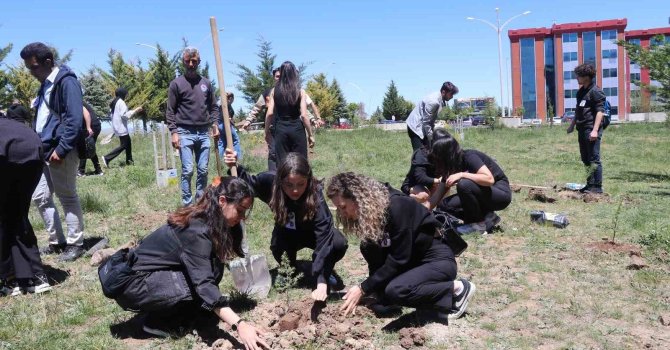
column 363, row 44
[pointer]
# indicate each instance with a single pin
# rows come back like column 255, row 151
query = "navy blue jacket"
column 63, row 130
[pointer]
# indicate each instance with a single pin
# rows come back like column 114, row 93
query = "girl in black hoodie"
column 408, row 265
column 302, row 217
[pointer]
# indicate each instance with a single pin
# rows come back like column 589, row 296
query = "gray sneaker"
column 71, row 253
column 461, row 301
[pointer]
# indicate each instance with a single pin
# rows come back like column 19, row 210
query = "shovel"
column 251, row 274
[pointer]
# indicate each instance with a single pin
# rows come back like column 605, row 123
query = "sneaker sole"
column 42, row 288
column 156, row 332
column 466, row 301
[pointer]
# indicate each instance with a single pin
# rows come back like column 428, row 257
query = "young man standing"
column 421, row 121
column 588, row 119
column 191, row 111
column 58, row 122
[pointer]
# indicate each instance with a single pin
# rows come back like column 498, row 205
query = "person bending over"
column 174, row 272
column 302, row 217
column 409, row 264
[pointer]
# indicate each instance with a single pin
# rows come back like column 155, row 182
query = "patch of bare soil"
column 610, row 246
column 412, row 337
column 307, row 323
column 150, row 220
column 539, row 195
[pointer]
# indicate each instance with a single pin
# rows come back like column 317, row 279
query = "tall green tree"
column 95, row 92
column 5, row 98
column 321, row 93
column 395, row 105
column 377, row 116
column 340, row 111
column 655, row 59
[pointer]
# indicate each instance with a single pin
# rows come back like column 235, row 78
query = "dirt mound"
column 540, row 196
column 610, row 246
column 412, row 337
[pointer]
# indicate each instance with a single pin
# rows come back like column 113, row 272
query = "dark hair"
column 40, row 51
column 294, row 163
column 287, row 90
column 585, row 70
column 449, row 87
column 274, row 71
column 120, row 93
column 225, row 241
column 445, row 153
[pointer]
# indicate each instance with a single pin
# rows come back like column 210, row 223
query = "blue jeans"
column 236, row 141
column 590, row 154
column 194, row 145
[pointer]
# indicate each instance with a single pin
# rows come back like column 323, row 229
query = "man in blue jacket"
column 59, row 123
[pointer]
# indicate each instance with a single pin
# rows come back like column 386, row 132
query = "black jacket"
column 590, row 101
column 321, row 226
column 409, row 232
column 421, row 172
column 188, row 250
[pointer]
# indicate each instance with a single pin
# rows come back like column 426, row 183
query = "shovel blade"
column 251, row 276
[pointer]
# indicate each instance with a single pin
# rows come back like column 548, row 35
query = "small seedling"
column 616, row 219
column 287, row 278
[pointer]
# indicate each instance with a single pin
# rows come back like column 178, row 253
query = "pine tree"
column 95, row 93
column 395, row 105
column 340, row 111
column 254, row 82
column 5, row 97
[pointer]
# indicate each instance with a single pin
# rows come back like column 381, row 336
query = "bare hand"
column 175, row 140
column 593, row 136
column 453, row 179
column 311, row 142
column 90, row 132
column 571, row 128
column 246, row 125
column 230, row 158
column 420, row 197
column 352, row 298
column 250, row 336
column 268, row 137
column 215, row 131
column 140, row 109
column 55, row 158
column 320, row 293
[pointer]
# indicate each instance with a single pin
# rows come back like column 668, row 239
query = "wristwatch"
column 235, row 325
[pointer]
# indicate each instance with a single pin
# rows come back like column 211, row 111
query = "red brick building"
column 543, row 60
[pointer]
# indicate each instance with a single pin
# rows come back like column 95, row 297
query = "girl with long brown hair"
column 176, row 270
column 302, row 218
column 409, row 264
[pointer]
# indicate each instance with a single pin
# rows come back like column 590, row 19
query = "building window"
column 528, row 88
column 550, row 74
column 609, row 34
column 570, row 37
column 570, row 93
column 589, row 48
column 567, row 110
column 635, row 77
column 569, row 56
column 610, row 91
column 611, row 53
column 569, row 75
column 609, row 73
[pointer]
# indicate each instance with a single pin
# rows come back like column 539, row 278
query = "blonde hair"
column 372, row 198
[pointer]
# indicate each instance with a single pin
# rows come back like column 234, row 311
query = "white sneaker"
column 40, row 285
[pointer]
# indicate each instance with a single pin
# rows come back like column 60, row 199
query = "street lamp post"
column 499, row 28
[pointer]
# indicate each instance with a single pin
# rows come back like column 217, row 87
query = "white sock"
column 458, row 288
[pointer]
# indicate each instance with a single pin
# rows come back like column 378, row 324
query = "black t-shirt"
column 19, row 144
column 421, row 172
column 473, row 160
column 590, row 101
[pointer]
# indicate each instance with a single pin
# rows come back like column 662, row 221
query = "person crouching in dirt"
column 302, row 217
column 482, row 186
column 174, row 272
column 407, row 265
column 420, row 182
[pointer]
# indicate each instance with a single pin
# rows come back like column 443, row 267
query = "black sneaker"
column 162, row 327
column 9, row 287
column 52, row 249
column 492, row 220
column 81, row 174
column 71, row 253
column 594, row 189
column 461, row 301
column 98, row 173
column 130, row 162
column 40, row 284
column 585, row 189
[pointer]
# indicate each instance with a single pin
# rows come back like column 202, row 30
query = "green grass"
column 538, row 287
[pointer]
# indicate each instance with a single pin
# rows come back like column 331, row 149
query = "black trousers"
column 473, row 202
column 272, row 155
column 18, row 244
column 155, row 291
column 426, row 283
column 289, row 137
column 590, row 154
column 291, row 241
column 417, row 142
column 94, row 159
column 125, row 145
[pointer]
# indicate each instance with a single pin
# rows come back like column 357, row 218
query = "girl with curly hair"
column 174, row 273
column 408, row 262
column 301, row 214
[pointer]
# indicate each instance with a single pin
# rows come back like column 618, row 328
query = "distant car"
column 568, row 117
column 387, row 121
column 536, row 121
column 467, row 121
column 478, row 120
column 343, row 125
column 557, row 120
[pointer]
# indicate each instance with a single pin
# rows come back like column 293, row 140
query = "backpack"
column 607, row 116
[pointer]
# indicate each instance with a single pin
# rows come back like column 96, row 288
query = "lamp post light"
column 499, row 28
